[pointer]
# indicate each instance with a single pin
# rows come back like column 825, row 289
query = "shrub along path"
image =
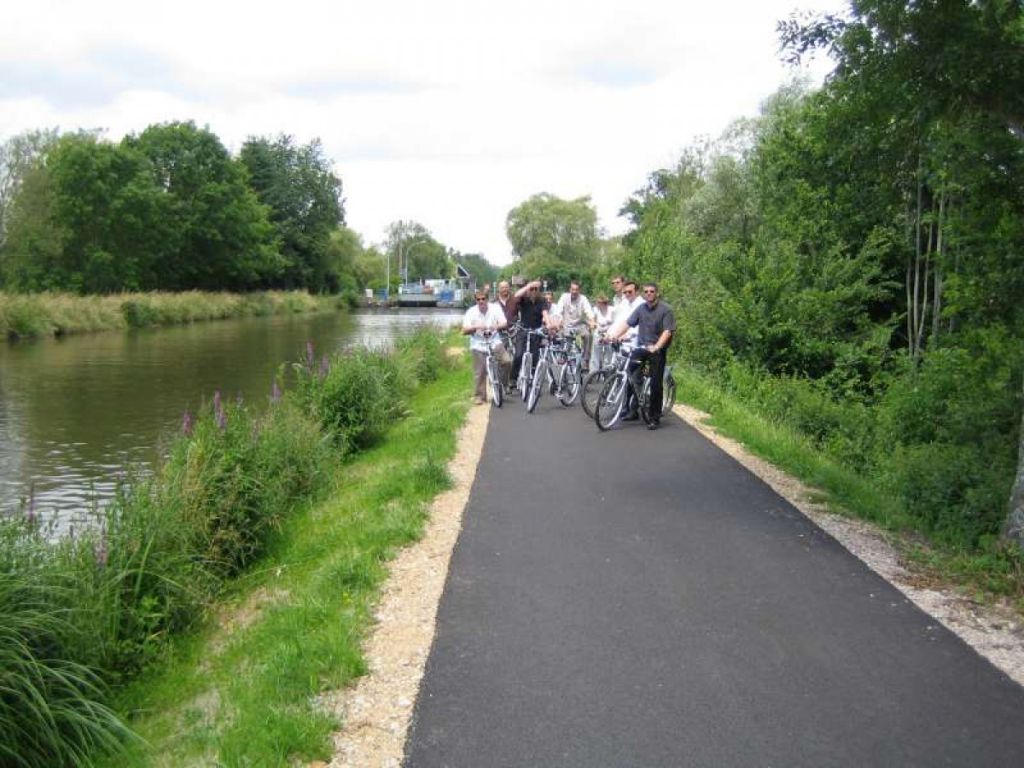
column 637, row 598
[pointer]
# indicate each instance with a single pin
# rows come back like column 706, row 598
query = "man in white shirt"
column 480, row 323
column 628, row 301
column 577, row 318
column 603, row 315
column 617, row 283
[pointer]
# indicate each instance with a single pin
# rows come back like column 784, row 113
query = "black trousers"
column 656, row 362
column 517, row 361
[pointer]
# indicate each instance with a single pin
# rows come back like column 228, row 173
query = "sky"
column 448, row 112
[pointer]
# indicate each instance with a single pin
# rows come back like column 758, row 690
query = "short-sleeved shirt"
column 651, row 322
column 492, row 319
column 622, row 311
column 575, row 313
column 531, row 313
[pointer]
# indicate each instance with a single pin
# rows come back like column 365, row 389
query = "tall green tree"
column 930, row 94
column 18, row 156
column 303, row 194
column 551, row 236
column 91, row 219
column 481, row 269
column 414, row 254
column 35, row 239
column 223, row 238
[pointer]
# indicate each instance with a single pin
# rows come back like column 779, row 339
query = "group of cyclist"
column 631, row 315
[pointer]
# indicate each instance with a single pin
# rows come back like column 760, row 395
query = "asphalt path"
column 636, row 598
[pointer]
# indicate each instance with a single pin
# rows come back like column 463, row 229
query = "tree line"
column 171, row 209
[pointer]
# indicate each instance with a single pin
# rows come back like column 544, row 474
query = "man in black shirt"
column 533, row 313
column 655, row 323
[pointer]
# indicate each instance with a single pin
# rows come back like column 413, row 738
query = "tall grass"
column 28, row 316
column 82, row 615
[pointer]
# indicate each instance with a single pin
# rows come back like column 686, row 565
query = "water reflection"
column 76, row 412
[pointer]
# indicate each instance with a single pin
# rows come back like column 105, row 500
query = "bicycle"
column 607, row 408
column 568, row 380
column 605, row 351
column 642, row 387
column 608, row 359
column 525, row 377
column 558, row 369
column 494, row 376
column 611, row 403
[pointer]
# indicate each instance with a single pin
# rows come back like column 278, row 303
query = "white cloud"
column 449, row 113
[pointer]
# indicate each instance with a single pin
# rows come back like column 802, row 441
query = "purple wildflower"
column 275, row 392
column 310, row 356
column 186, row 424
column 325, row 366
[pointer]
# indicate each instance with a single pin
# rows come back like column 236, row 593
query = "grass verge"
column 244, row 691
column 30, row 316
column 988, row 572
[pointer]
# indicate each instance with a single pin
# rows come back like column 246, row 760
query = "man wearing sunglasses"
column 479, row 323
column 655, row 323
column 532, row 311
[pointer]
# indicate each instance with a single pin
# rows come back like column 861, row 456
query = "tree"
column 18, row 156
column 481, row 269
column 548, row 233
column 931, row 93
column 306, row 207
column 924, row 114
column 342, row 262
column 89, row 219
column 223, row 237
column 414, row 254
column 35, row 241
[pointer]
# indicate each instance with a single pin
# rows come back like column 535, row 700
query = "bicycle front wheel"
column 591, row 389
column 643, row 400
column 536, row 386
column 494, row 378
column 570, row 388
column 668, row 395
column 609, row 403
column 525, row 376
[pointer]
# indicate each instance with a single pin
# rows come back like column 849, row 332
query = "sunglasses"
column 648, row 290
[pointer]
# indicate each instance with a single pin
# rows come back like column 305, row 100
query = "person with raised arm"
column 532, row 314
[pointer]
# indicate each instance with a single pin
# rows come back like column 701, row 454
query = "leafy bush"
column 237, row 474
column 956, row 491
column 138, row 313
column 423, row 351
column 354, row 398
column 24, row 318
column 844, row 430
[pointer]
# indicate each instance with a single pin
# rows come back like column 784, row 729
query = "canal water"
column 77, row 412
